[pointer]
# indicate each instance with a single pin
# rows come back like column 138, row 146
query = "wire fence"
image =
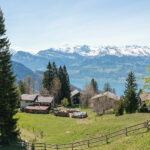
column 106, row 138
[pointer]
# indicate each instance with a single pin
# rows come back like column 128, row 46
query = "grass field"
column 58, row 130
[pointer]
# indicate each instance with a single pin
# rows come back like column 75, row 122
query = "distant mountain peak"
column 85, row 50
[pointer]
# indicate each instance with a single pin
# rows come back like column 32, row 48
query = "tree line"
column 55, row 82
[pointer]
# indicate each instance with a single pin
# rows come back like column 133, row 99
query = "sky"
column 34, row 25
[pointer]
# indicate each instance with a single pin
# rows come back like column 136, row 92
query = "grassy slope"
column 63, row 130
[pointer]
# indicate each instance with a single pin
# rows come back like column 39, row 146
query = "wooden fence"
column 88, row 142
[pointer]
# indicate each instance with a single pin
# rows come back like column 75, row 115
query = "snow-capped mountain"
column 85, row 50
column 105, row 64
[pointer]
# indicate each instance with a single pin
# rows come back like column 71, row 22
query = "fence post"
column 33, row 147
column 126, row 131
column 147, row 125
column 88, row 143
column 106, row 139
column 72, row 146
column 44, row 146
column 57, row 146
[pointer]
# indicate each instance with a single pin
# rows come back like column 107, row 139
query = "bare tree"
column 88, row 92
column 44, row 92
column 56, row 90
column 30, row 84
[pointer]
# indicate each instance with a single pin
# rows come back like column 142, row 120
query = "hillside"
column 22, row 71
column 109, row 64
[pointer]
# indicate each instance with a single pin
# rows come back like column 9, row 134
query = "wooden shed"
column 75, row 97
column 104, row 101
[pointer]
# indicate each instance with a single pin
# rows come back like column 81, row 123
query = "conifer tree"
column 48, row 77
column 54, row 69
column 107, row 87
column 130, row 98
column 130, row 82
column 8, row 91
column 94, row 85
column 66, row 85
column 61, row 78
column 22, row 87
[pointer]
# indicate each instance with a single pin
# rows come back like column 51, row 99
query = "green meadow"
column 48, row 128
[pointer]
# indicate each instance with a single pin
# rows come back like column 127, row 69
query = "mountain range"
column 105, row 64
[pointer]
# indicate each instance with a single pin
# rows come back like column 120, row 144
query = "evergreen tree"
column 119, row 108
column 131, row 101
column 66, row 85
column 8, row 91
column 130, row 98
column 22, row 87
column 48, row 77
column 130, row 82
column 107, row 87
column 94, row 85
column 61, row 78
column 54, row 69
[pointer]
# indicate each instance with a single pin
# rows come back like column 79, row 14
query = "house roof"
column 36, row 98
column 37, row 108
column 108, row 94
column 42, row 99
column 75, row 92
column 145, row 96
column 28, row 97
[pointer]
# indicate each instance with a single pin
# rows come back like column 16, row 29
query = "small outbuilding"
column 75, row 97
column 104, row 101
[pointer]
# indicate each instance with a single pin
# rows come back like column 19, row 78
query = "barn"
column 33, row 103
column 104, row 101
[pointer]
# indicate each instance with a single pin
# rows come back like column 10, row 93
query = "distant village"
column 56, row 92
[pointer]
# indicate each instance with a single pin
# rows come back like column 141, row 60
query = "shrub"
column 65, row 102
column 119, row 108
column 143, row 108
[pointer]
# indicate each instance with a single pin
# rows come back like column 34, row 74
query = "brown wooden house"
column 104, row 101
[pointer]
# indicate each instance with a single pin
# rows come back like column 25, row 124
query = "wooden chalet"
column 75, row 97
column 35, row 103
column 104, row 101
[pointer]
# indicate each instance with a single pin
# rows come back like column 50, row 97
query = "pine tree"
column 107, row 87
column 94, row 85
column 130, row 98
column 54, row 69
column 66, row 86
column 130, row 82
column 119, row 108
column 61, row 78
column 8, row 91
column 131, row 101
column 48, row 77
column 22, row 87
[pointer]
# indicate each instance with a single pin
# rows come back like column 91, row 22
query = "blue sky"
column 40, row 24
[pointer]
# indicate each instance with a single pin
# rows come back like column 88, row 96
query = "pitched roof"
column 108, row 94
column 75, row 92
column 145, row 96
column 36, row 98
column 28, row 97
column 42, row 99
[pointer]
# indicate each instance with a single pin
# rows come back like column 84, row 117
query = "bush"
column 143, row 108
column 119, row 108
column 65, row 102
